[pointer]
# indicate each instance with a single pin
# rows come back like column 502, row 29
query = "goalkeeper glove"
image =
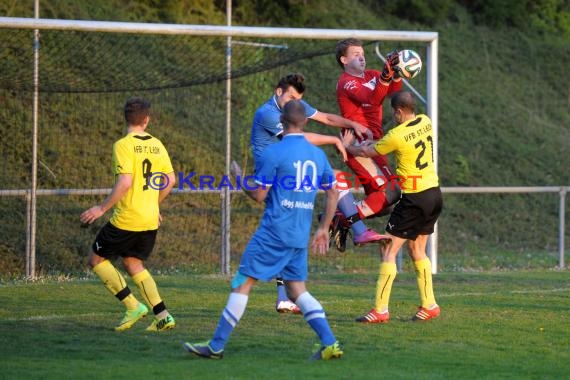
column 389, row 71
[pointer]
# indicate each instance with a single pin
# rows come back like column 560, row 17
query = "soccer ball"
column 410, row 64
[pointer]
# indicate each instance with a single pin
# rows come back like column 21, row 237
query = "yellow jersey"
column 140, row 155
column 412, row 144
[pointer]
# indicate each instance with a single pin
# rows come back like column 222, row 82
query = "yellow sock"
column 388, row 273
column 148, row 289
column 115, row 283
column 425, row 283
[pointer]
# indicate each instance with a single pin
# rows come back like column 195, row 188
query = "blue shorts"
column 265, row 261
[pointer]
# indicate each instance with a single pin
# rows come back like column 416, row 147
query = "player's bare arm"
column 366, row 149
column 123, row 184
column 333, row 120
column 163, row 193
column 253, row 190
column 320, row 242
column 258, row 194
column 318, row 139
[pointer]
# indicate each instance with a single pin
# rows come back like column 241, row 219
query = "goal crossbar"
column 430, row 61
column 213, row 30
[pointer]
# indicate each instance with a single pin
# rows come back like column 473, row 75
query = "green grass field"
column 493, row 326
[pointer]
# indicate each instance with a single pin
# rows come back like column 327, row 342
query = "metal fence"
column 222, row 217
column 429, row 39
column 561, row 191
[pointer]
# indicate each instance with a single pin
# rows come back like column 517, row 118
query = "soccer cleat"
column 340, row 237
column 203, row 350
column 338, row 231
column 131, row 317
column 424, row 314
column 370, row 236
column 374, row 317
column 163, row 324
column 287, row 307
column 334, row 351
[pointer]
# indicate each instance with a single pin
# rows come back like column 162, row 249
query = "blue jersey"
column 295, row 169
column 266, row 125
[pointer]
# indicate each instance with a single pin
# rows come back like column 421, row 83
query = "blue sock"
column 281, row 291
column 230, row 317
column 346, row 205
column 315, row 316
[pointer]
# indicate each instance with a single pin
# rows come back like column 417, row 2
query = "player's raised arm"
column 320, row 242
column 318, row 139
column 333, row 120
column 362, row 150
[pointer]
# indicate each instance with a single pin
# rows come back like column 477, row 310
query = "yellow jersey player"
column 143, row 178
column 416, row 213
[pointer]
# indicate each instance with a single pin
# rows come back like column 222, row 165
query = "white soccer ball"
column 410, row 64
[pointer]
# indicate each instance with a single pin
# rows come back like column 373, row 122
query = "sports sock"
column 115, row 283
column 149, row 291
column 373, row 204
column 425, row 283
column 388, row 272
column 281, row 290
column 346, row 204
column 230, row 317
column 314, row 315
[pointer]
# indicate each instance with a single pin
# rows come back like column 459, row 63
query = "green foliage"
column 188, row 11
column 548, row 16
column 423, row 12
column 16, row 8
column 463, row 173
column 166, row 11
column 551, row 16
column 503, row 121
column 498, row 13
column 270, row 13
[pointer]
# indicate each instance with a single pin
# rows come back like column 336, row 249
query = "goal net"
column 86, row 72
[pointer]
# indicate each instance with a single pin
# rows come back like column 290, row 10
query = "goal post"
column 430, row 39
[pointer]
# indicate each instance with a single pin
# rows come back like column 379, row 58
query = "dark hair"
column 404, row 100
column 342, row 47
column 295, row 80
column 293, row 113
column 136, row 109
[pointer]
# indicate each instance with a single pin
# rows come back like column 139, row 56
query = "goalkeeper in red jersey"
column 360, row 94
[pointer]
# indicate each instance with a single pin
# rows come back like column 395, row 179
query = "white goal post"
column 430, row 64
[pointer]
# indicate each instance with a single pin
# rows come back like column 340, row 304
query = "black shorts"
column 415, row 214
column 112, row 242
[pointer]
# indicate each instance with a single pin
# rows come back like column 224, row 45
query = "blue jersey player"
column 267, row 129
column 288, row 177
